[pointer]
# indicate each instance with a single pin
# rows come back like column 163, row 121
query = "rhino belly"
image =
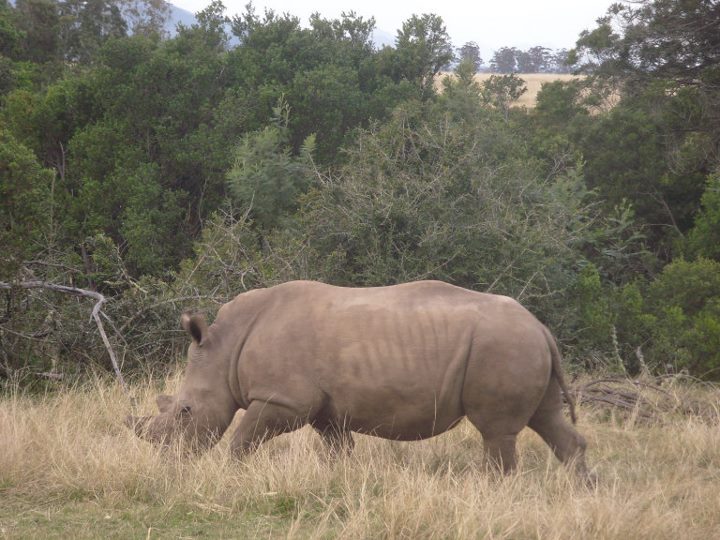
column 395, row 412
column 395, row 387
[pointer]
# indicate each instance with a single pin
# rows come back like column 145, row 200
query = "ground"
column 68, row 468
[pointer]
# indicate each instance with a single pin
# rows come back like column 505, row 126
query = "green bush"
column 677, row 323
column 704, row 238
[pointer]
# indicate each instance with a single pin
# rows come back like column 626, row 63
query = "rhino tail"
column 557, row 371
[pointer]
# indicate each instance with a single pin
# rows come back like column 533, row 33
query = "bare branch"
column 99, row 301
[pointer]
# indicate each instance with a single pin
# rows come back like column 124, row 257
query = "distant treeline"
column 536, row 59
column 174, row 172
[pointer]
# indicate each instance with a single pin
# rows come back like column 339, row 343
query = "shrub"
column 677, row 323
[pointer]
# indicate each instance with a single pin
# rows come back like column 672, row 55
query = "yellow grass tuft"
column 68, row 468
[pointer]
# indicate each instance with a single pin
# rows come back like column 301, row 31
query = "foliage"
column 470, row 52
column 684, row 327
column 499, row 91
column 265, row 178
column 423, row 48
column 26, row 204
column 655, row 38
column 661, row 57
column 170, row 172
column 558, row 103
column 536, row 59
column 704, row 238
column 594, row 316
column 504, row 60
column 431, row 195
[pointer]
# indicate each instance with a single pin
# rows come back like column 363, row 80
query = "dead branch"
column 643, row 398
column 51, row 375
column 95, row 315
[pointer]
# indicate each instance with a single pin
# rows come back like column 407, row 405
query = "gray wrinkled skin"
column 403, row 362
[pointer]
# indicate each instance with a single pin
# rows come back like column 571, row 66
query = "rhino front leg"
column 262, row 421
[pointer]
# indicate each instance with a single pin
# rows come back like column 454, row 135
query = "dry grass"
column 533, row 82
column 68, row 468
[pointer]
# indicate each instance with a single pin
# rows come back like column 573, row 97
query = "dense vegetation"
column 174, row 172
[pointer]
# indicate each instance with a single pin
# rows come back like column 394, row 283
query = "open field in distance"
column 533, row 81
column 68, row 468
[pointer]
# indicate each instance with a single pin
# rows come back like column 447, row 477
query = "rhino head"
column 202, row 410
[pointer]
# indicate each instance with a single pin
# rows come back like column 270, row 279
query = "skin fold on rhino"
column 403, row 362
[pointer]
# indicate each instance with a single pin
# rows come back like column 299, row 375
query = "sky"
column 491, row 24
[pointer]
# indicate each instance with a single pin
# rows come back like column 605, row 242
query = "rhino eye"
column 185, row 409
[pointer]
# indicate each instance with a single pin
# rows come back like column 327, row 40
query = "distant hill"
column 381, row 38
column 178, row 15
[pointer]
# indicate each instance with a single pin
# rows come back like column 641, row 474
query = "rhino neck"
column 233, row 326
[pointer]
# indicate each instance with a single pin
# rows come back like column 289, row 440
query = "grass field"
column 69, row 469
column 533, row 82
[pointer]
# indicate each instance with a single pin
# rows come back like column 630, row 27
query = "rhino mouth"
column 153, row 429
column 136, row 423
column 162, row 432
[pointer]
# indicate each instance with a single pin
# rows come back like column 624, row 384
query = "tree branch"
column 99, row 301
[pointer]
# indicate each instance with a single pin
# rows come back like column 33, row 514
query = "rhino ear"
column 194, row 325
column 164, row 402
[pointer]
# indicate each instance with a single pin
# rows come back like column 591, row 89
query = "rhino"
column 402, row 362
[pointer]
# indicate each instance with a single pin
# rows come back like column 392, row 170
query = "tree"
column 661, row 57
column 500, row 91
column 211, row 23
column 461, row 94
column 704, row 239
column 9, row 33
column 266, row 179
column 504, row 60
column 26, row 205
column 534, row 60
column 447, row 190
column 350, row 28
column 655, row 38
column 145, row 17
column 559, row 62
column 423, row 48
column 625, row 160
column 470, row 52
column 39, row 22
column 680, row 317
column 558, row 103
column 330, row 74
column 86, row 25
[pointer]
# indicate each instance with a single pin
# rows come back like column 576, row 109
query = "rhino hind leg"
column 500, row 451
column 566, row 443
column 499, row 431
